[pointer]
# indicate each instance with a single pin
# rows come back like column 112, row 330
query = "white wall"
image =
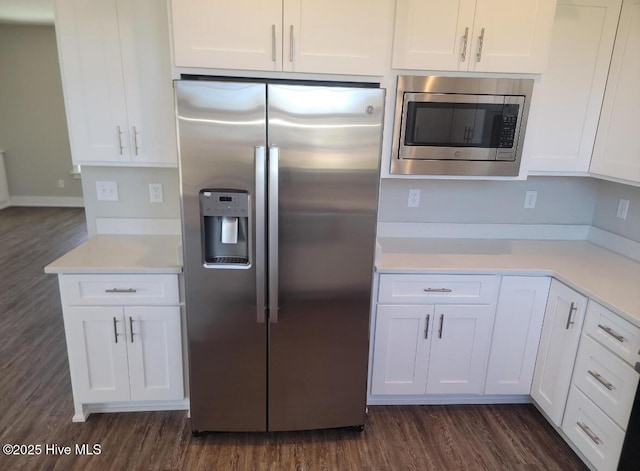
column 33, row 129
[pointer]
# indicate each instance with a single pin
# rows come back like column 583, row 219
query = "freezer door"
column 221, row 133
column 327, row 145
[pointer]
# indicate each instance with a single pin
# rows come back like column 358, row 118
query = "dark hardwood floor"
column 36, row 403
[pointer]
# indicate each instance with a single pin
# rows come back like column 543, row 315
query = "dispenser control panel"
column 224, row 203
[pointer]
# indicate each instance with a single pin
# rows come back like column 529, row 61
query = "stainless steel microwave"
column 459, row 125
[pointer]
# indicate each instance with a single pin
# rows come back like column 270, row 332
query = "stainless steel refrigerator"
column 279, row 187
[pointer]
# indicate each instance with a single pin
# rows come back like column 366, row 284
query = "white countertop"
column 122, row 254
column 602, row 275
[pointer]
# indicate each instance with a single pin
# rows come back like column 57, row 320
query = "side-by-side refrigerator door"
column 324, row 159
column 222, row 139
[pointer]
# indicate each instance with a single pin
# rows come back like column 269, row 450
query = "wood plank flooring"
column 36, row 403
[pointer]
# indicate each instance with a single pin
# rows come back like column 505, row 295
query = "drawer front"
column 111, row 290
column 605, row 379
column 592, row 432
column 612, row 331
column 438, row 289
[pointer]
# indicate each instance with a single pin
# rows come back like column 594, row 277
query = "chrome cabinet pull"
column 441, row 326
column 291, row 43
column 273, row 43
column 115, row 330
column 465, row 38
column 135, row 140
column 121, row 290
column 594, row 438
column 572, row 309
column 601, row 380
column 120, row 139
column 437, row 290
column 480, row 44
column 131, row 327
column 426, row 328
column 611, row 332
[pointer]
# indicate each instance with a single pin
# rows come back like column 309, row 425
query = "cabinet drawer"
column 592, row 432
column 438, row 289
column 106, row 290
column 612, row 331
column 605, row 379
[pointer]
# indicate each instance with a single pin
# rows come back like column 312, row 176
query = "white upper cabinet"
column 617, row 149
column 567, row 99
column 114, row 57
column 473, row 35
column 329, row 36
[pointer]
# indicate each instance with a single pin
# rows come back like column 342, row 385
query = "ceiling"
column 34, row 12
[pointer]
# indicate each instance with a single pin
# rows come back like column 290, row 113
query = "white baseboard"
column 615, row 243
column 48, row 201
column 450, row 399
column 4, row 204
column 484, row 231
column 85, row 410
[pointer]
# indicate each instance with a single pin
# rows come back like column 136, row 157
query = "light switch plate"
column 623, row 209
column 107, row 191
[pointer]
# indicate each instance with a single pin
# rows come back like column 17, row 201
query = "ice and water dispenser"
column 225, row 228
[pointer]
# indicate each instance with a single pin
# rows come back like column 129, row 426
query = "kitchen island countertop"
column 604, row 276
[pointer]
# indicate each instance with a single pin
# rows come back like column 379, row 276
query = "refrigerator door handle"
column 260, row 232
column 274, row 157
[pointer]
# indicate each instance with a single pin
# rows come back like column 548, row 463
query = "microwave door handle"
column 274, row 157
column 260, row 265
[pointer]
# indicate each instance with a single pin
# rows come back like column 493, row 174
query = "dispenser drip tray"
column 228, row 260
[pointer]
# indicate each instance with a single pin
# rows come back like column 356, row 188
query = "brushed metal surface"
column 220, row 125
column 329, row 158
column 463, row 86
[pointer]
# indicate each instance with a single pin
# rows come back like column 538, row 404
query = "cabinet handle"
column 572, row 309
column 273, row 43
column 426, row 328
column 135, row 139
column 291, row 43
column 437, row 290
column 115, row 330
column 594, row 438
column 601, row 380
column 121, row 290
column 465, row 38
column 441, row 326
column 120, row 139
column 480, row 44
column 131, row 327
column 611, row 332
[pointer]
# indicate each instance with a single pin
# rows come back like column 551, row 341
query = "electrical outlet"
column 623, row 209
column 530, row 198
column 155, row 193
column 60, row 183
column 414, row 199
column 107, row 191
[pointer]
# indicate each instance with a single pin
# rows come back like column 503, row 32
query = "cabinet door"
column 430, row 34
column 567, row 99
column 144, row 35
column 561, row 329
column 511, row 36
column 459, row 349
column 242, row 34
column 617, row 149
column 516, row 334
column 97, row 354
column 334, row 36
column 92, row 78
column 401, row 349
column 155, row 353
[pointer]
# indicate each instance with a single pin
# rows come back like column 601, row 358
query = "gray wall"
column 33, row 129
column 561, row 200
column 604, row 216
column 133, row 193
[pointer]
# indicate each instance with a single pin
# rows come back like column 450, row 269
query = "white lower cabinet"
column 125, row 353
column 439, row 347
column 516, row 334
column 563, row 320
